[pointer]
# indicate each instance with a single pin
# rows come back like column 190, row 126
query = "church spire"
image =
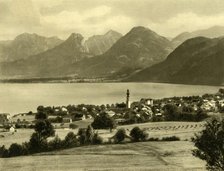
column 127, row 99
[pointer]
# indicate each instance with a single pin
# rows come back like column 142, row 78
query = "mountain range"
column 139, row 48
column 140, row 55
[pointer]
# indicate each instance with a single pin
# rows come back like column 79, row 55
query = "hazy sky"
column 88, row 17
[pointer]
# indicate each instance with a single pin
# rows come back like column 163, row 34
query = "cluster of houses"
column 141, row 111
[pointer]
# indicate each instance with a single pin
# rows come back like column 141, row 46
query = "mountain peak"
column 112, row 32
column 26, row 36
column 139, row 28
column 75, row 36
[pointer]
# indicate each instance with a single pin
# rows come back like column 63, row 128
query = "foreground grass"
column 131, row 156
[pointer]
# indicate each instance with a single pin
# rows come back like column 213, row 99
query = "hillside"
column 99, row 44
column 25, row 45
column 197, row 61
column 212, row 32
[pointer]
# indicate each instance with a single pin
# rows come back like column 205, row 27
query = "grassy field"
column 131, row 156
column 156, row 156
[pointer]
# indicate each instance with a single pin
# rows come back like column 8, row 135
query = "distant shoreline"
column 89, row 80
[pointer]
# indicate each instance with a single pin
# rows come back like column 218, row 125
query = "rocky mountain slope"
column 99, row 44
column 25, row 45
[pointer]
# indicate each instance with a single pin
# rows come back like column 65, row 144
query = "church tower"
column 128, row 104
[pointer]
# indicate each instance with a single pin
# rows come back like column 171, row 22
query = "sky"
column 90, row 17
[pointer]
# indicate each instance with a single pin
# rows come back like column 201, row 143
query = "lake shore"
column 19, row 98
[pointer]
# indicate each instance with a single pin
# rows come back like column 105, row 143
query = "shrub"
column 26, row 147
column 137, row 134
column 73, row 126
column 120, row 135
column 55, row 144
column 58, row 119
column 4, row 152
column 173, row 138
column 153, row 139
column 16, row 150
column 70, row 140
column 97, row 139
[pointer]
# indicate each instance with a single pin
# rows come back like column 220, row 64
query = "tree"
column 37, row 145
column 103, row 121
column 171, row 112
column 44, row 129
column 89, row 135
column 221, row 90
column 120, row 135
column 82, row 136
column 41, row 113
column 188, row 109
column 210, row 144
column 200, row 115
column 137, row 134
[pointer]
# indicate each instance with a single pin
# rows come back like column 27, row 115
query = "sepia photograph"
column 111, row 85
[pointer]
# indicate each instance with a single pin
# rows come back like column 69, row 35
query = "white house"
column 11, row 129
column 148, row 102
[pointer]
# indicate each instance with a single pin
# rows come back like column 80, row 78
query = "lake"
column 16, row 98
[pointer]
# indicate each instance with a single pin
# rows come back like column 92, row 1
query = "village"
column 142, row 111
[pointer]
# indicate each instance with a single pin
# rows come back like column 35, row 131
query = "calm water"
column 16, row 98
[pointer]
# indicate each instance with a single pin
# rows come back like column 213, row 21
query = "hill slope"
column 197, row 61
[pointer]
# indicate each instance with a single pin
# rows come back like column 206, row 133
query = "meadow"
column 157, row 155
